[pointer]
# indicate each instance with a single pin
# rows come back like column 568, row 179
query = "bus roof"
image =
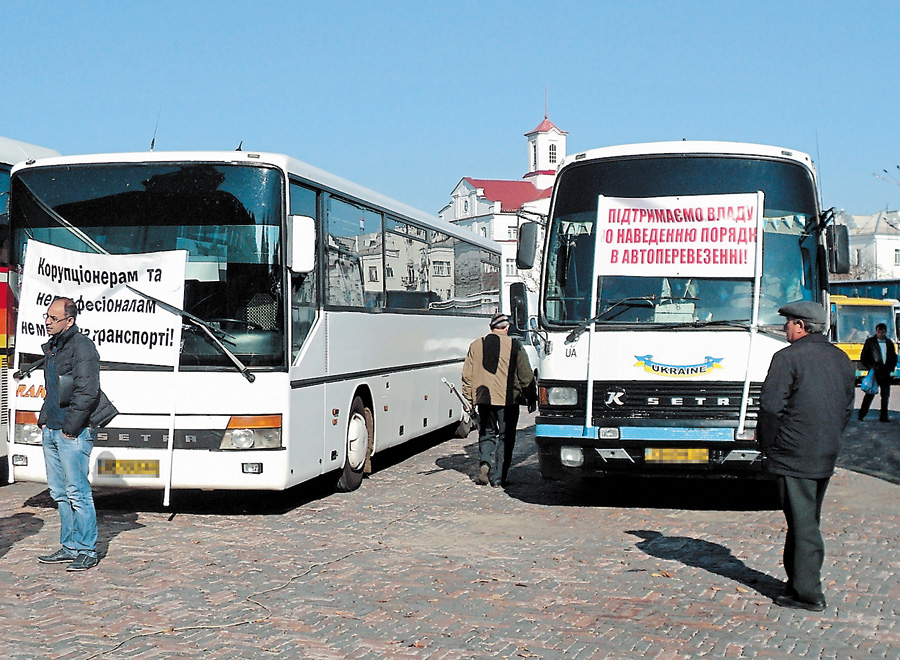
column 691, row 147
column 13, row 151
column 869, row 302
column 295, row 167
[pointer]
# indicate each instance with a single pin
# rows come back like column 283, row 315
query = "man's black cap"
column 804, row 310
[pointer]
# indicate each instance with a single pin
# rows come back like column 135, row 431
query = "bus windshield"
column 856, row 323
column 227, row 217
column 790, row 259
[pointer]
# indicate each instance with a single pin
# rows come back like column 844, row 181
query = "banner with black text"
column 125, row 326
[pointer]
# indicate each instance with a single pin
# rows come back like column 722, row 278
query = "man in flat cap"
column 806, row 401
column 496, row 378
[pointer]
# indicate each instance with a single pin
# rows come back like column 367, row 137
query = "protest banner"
column 125, row 326
column 690, row 236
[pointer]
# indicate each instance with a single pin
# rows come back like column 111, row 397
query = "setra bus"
column 658, row 312
column 11, row 152
column 319, row 317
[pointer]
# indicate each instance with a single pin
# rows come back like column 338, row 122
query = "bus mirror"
column 518, row 306
column 302, row 243
column 837, row 240
column 528, row 235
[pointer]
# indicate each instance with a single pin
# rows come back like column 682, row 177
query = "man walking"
column 806, row 401
column 878, row 353
column 496, row 377
column 74, row 407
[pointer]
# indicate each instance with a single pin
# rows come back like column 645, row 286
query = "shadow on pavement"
column 111, row 521
column 711, row 557
column 16, row 527
column 113, row 502
column 872, row 447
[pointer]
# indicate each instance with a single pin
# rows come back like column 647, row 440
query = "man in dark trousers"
column 878, row 353
column 806, row 401
column 496, row 377
column 74, row 407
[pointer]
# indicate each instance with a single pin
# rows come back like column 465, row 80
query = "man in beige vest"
column 496, row 378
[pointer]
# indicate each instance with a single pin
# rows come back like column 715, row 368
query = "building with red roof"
column 492, row 207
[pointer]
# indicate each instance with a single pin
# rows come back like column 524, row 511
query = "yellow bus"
column 853, row 320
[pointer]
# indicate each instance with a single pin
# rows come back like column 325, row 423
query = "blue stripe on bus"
column 671, row 433
column 674, row 433
column 565, row 431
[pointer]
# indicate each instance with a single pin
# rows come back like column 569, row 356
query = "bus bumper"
column 574, row 451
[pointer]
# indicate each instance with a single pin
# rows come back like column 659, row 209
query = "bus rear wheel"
column 360, row 438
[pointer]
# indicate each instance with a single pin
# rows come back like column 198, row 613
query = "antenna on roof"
column 155, row 128
column 240, row 145
column 546, row 103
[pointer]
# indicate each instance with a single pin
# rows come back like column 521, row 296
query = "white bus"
column 11, row 152
column 658, row 312
column 339, row 310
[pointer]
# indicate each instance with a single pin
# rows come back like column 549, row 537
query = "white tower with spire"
column 546, row 149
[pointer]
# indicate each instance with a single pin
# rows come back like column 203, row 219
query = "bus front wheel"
column 359, row 445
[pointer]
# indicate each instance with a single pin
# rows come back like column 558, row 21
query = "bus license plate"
column 676, row 455
column 130, row 468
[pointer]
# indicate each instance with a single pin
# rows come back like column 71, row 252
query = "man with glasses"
column 805, row 403
column 74, row 407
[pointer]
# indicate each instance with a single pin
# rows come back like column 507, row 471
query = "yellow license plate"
column 676, row 455
column 131, row 468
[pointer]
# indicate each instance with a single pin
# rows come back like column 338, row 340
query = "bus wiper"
column 624, row 303
column 75, row 231
column 731, row 323
column 213, row 333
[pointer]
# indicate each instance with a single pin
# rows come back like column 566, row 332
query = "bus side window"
column 303, row 285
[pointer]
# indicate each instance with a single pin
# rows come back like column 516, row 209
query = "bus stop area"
column 423, row 563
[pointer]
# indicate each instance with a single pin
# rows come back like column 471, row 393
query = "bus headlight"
column 27, row 430
column 571, row 456
column 252, row 432
column 562, row 396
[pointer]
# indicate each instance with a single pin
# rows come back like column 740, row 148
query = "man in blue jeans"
column 74, row 407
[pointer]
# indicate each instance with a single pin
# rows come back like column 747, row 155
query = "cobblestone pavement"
column 423, row 563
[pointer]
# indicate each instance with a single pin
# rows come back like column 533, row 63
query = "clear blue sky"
column 409, row 97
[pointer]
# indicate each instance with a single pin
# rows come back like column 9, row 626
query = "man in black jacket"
column 806, row 401
column 74, row 407
column 878, row 353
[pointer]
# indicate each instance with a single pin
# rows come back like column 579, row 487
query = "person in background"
column 496, row 378
column 74, row 407
column 806, row 401
column 878, row 353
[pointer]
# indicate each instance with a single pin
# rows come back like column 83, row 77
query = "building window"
column 484, row 231
column 373, row 273
column 552, row 154
column 466, row 206
column 897, row 257
column 511, row 267
column 512, row 233
column 441, row 268
column 533, row 156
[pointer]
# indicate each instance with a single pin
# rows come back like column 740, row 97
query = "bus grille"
column 672, row 401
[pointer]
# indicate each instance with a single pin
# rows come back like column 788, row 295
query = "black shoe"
column 84, row 562
column 786, row 600
column 61, row 556
column 883, row 419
